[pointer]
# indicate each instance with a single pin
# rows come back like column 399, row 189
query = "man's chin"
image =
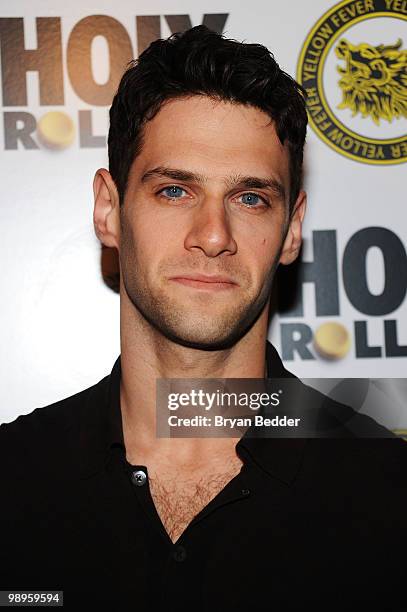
column 212, row 327
column 203, row 337
column 196, row 341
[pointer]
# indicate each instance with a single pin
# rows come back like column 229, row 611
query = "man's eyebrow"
column 256, row 182
column 243, row 182
column 173, row 173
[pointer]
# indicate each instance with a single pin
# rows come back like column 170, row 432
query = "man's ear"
column 106, row 213
column 293, row 239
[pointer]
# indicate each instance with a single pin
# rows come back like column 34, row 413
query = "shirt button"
column 138, row 478
column 245, row 492
column 179, row 554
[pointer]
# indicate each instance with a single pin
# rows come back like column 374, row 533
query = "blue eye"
column 173, row 192
column 251, row 199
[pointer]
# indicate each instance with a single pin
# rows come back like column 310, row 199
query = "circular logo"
column 331, row 340
column 353, row 67
column 56, row 130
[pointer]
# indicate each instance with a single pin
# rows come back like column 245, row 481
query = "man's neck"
column 147, row 355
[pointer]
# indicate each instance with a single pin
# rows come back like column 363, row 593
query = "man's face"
column 207, row 195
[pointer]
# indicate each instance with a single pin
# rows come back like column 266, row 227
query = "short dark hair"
column 202, row 62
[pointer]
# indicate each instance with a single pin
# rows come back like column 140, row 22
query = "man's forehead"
column 200, row 119
column 214, row 109
column 212, row 141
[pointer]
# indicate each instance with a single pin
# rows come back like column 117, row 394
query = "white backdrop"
column 60, row 321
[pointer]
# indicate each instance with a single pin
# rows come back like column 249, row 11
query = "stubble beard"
column 201, row 321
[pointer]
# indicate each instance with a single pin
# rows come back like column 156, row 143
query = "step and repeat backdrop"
column 340, row 310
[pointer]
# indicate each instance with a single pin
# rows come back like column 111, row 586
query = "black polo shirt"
column 306, row 521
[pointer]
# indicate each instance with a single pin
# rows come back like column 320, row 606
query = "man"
column 203, row 201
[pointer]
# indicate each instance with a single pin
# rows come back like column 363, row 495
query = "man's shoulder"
column 358, row 449
column 350, row 446
column 326, row 417
column 56, row 424
column 57, row 414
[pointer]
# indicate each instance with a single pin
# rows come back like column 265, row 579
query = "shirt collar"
column 101, row 428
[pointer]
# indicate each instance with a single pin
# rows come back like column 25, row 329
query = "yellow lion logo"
column 374, row 80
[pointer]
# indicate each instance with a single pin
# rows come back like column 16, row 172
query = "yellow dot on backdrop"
column 332, row 340
column 56, row 130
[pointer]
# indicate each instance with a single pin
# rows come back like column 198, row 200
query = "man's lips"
column 203, row 281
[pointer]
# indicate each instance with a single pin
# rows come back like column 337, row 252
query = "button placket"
column 179, row 554
column 138, row 478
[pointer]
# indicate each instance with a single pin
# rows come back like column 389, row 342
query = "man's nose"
column 210, row 229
